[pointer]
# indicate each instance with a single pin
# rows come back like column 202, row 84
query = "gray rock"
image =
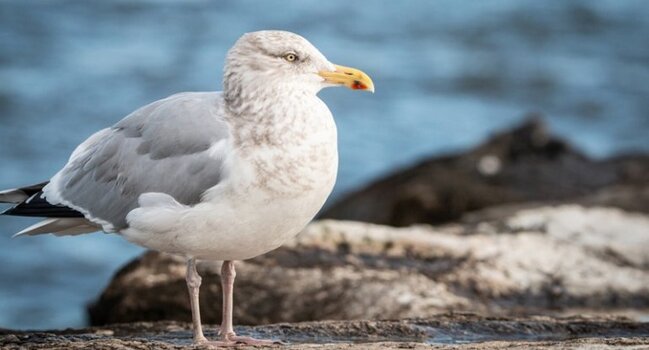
column 551, row 259
column 519, row 165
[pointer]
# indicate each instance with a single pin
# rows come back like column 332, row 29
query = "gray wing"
column 162, row 147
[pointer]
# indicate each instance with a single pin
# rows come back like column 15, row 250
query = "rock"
column 550, row 259
column 454, row 331
column 521, row 165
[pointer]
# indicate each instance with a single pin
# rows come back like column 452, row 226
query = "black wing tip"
column 37, row 206
column 7, row 211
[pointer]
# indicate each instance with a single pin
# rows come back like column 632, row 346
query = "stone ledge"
column 446, row 331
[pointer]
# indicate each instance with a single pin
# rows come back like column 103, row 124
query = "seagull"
column 221, row 176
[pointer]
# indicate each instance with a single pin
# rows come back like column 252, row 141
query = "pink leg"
column 227, row 335
column 193, row 284
column 227, row 284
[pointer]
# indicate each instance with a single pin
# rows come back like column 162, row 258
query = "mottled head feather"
column 258, row 64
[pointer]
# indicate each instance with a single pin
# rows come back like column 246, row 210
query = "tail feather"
column 61, row 220
column 38, row 206
column 60, row 227
column 29, row 201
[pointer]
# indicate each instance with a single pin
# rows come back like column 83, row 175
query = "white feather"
column 60, row 227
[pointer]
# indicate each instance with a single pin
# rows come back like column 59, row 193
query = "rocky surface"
column 448, row 331
column 516, row 261
column 521, row 165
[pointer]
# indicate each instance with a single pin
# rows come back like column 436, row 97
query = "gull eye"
column 291, row 57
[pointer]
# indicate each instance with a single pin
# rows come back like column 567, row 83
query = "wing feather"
column 162, row 147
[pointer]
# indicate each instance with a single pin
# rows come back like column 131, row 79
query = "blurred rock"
column 520, row 165
column 456, row 331
column 516, row 261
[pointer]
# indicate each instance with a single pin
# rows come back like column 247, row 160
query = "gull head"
column 272, row 60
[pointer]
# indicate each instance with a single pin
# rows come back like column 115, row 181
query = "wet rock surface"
column 505, row 261
column 521, row 165
column 447, row 331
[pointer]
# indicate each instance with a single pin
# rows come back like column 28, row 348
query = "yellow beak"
column 350, row 77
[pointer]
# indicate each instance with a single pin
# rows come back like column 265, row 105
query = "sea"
column 448, row 74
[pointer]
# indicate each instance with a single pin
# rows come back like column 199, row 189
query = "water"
column 447, row 75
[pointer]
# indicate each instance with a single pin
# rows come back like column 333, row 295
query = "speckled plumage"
column 215, row 175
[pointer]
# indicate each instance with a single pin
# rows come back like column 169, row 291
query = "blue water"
column 447, row 75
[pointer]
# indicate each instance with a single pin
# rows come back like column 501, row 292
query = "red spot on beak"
column 359, row 86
